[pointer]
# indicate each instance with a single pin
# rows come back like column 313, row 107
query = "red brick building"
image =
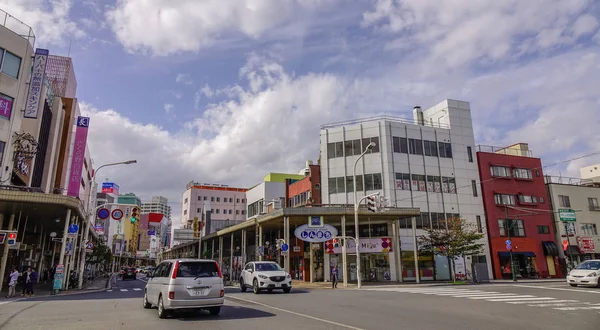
column 517, row 209
column 304, row 192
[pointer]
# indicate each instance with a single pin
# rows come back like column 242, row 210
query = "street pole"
column 356, row 205
column 85, row 235
column 508, row 228
column 567, row 225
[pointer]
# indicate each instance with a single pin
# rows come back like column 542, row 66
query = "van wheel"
column 214, row 310
column 242, row 285
column 145, row 303
column 162, row 313
column 255, row 287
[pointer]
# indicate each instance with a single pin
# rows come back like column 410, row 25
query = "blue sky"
column 258, row 77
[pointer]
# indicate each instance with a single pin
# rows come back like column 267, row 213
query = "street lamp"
column 90, row 216
column 356, row 203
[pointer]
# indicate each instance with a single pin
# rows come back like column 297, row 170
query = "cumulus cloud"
column 49, row 20
column 169, row 108
column 184, row 78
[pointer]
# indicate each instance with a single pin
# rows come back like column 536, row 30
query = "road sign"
column 316, row 235
column 73, row 228
column 508, row 242
column 89, row 245
column 285, row 247
column 103, row 213
column 567, row 215
column 117, row 214
column 12, row 239
column 508, row 247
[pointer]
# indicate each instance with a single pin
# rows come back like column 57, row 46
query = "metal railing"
column 12, row 23
column 570, row 181
column 400, row 120
column 505, row 151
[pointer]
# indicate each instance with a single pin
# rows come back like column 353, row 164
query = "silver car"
column 185, row 284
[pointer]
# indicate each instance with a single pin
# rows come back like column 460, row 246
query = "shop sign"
column 586, row 244
column 315, row 235
column 368, row 245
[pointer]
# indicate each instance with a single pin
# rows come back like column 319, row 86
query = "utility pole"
column 508, row 229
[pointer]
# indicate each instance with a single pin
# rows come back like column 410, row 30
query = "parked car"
column 586, row 273
column 185, row 284
column 265, row 275
column 128, row 273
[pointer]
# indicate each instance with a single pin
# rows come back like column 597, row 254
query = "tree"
column 101, row 254
column 459, row 239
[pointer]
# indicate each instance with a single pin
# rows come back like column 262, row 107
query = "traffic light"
column 134, row 214
column 336, row 242
column 12, row 239
column 371, row 204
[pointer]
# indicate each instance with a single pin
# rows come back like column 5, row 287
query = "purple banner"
column 5, row 107
column 78, row 156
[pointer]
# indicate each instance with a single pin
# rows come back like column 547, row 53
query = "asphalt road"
column 489, row 307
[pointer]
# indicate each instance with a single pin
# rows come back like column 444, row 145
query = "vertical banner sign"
column 5, row 107
column 37, row 82
column 78, row 156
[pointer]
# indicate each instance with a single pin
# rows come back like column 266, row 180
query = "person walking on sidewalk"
column 334, row 277
column 12, row 284
column 28, row 279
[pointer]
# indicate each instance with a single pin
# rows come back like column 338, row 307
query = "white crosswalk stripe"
column 492, row 296
column 123, row 290
column 137, row 289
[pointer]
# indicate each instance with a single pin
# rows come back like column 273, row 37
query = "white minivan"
column 185, row 284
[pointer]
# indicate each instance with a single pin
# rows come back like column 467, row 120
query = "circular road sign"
column 103, row 213
column 117, row 214
column 73, row 228
column 89, row 245
column 284, row 247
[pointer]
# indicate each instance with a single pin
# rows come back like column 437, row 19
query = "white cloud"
column 164, row 28
column 184, row 78
column 49, row 20
column 169, row 108
column 207, row 91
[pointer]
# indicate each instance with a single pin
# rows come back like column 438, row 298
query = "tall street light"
column 91, row 212
column 356, row 204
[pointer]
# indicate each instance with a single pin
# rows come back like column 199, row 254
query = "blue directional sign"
column 508, row 242
column 315, row 235
column 285, row 247
column 73, row 228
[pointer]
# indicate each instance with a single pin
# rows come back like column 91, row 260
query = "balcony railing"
column 510, row 151
column 18, row 27
column 383, row 117
column 570, row 181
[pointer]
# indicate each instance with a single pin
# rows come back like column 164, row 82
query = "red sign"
column 565, row 244
column 155, row 217
column 586, row 244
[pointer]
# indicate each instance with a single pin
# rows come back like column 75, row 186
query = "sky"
column 226, row 91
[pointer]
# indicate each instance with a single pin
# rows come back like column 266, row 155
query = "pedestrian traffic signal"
column 12, row 239
column 336, row 242
column 371, row 204
column 134, row 214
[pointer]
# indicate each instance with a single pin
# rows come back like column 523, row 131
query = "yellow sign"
column 196, row 229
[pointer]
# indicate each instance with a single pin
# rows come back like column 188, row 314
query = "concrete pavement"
column 491, row 307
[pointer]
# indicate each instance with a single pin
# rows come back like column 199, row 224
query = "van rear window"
column 197, row 269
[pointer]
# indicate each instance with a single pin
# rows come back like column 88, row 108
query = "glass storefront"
column 426, row 266
column 375, row 267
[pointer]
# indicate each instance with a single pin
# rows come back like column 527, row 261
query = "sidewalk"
column 327, row 285
column 45, row 289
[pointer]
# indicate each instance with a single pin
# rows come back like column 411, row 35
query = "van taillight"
column 175, row 269
column 222, row 293
column 219, row 269
column 171, row 295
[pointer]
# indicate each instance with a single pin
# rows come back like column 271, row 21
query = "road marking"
column 137, row 289
column 296, row 313
column 549, row 288
column 123, row 290
column 504, row 295
column 577, row 308
column 545, row 302
column 533, row 298
column 109, row 290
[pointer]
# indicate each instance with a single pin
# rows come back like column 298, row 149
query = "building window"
column 198, row 210
column 336, row 185
column 185, row 201
column 243, row 200
column 400, row 145
column 230, row 211
column 430, row 148
column 527, row 199
column 10, row 64
column 564, row 201
column 217, row 211
column 205, row 198
column 335, row 149
column 500, row 171
column 415, row 147
column 589, row 229
column 6, row 106
column 237, row 212
column 402, row 181
column 199, row 198
column 2, row 145
column 366, row 141
column 230, row 200
column 373, row 181
column 237, row 200
column 184, row 212
column 218, row 199
column 352, row 148
column 504, row 199
column 474, row 186
column 448, row 185
column 244, row 212
column 592, row 202
column 479, row 224
column 212, row 199
column 470, row 154
column 543, row 229
column 445, row 149
column 514, row 227
column 350, row 183
column 418, row 182
column 522, row 173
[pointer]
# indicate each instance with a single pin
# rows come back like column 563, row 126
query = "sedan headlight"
column 288, row 276
column 592, row 275
column 263, row 276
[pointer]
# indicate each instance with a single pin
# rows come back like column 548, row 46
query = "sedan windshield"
column 589, row 265
column 267, row 267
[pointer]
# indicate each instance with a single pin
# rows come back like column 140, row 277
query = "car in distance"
column 185, row 284
column 265, row 275
column 586, row 273
column 128, row 273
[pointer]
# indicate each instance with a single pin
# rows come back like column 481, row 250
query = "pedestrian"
column 34, row 280
column 334, row 277
column 12, row 284
column 28, row 276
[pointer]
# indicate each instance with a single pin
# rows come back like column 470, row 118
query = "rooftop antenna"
column 69, row 53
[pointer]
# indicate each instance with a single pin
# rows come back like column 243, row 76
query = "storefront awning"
column 507, row 254
column 550, row 248
column 572, row 250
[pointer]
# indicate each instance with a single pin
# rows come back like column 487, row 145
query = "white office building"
column 427, row 162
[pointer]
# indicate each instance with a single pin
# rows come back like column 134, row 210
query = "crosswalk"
column 124, row 290
column 502, row 297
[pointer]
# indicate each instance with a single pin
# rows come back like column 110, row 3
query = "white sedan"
column 265, row 275
column 586, row 273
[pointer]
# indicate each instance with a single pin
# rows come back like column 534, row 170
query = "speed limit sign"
column 117, row 214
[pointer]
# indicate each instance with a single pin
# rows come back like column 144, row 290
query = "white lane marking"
column 549, row 288
column 109, row 290
column 504, row 295
column 577, row 308
column 137, row 289
column 522, row 299
column 556, row 305
column 123, row 290
column 483, row 294
column 545, row 302
column 296, row 313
